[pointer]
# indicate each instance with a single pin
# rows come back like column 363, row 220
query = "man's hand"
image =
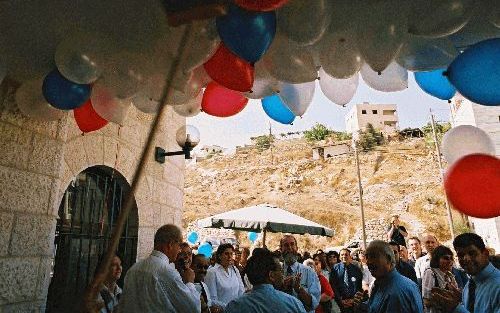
column 288, row 283
column 188, row 276
column 359, row 297
column 216, row 309
column 347, row 303
column 296, row 282
column 448, row 300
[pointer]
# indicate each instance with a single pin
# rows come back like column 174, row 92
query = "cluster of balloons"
column 116, row 55
column 473, row 178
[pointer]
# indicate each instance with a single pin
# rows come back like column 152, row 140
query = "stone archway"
column 87, row 213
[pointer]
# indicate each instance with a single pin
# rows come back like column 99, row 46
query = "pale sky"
column 412, row 104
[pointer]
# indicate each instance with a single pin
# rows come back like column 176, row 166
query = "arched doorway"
column 88, row 211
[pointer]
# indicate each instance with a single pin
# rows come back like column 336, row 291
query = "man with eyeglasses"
column 200, row 266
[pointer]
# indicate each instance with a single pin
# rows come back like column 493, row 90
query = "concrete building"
column 382, row 116
column 328, row 151
column 61, row 192
column 465, row 112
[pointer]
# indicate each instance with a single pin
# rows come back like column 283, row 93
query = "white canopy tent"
column 264, row 218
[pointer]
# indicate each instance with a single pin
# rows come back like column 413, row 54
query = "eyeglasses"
column 202, row 267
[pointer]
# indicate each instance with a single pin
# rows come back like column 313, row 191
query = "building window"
column 363, row 111
column 499, row 118
column 374, row 111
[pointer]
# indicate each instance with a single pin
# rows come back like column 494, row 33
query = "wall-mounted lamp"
column 187, row 138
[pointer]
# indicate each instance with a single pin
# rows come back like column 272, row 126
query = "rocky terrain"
column 400, row 177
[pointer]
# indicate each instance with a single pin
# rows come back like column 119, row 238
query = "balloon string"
column 90, row 297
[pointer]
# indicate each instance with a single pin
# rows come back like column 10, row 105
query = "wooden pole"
column 90, row 297
column 360, row 189
column 440, row 164
column 264, row 238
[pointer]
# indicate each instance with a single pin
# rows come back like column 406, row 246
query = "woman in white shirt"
column 223, row 279
column 439, row 275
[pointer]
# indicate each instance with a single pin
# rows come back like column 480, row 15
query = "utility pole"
column 271, row 143
column 438, row 152
column 360, row 189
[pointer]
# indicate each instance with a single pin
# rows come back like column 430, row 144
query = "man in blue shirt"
column 346, row 280
column 392, row 292
column 301, row 281
column 482, row 292
column 264, row 271
column 402, row 267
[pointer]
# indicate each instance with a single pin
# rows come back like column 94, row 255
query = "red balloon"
column 87, row 119
column 472, row 185
column 260, row 5
column 222, row 102
column 229, row 70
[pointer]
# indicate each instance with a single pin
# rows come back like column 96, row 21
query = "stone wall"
column 37, row 162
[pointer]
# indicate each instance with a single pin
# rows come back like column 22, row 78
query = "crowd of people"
column 387, row 276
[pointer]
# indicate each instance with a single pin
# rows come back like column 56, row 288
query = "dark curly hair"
column 221, row 250
column 439, row 252
column 259, row 265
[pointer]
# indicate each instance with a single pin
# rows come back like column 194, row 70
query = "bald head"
column 429, row 242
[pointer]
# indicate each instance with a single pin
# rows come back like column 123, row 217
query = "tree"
column 317, row 132
column 263, row 142
column 441, row 129
column 369, row 138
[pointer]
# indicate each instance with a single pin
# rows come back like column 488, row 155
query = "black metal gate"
column 87, row 214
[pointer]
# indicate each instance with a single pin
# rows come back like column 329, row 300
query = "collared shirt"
column 110, row 298
column 265, row 299
column 224, row 285
column 309, row 281
column 406, row 270
column 199, row 288
column 487, row 292
column 395, row 293
column 339, row 281
column 153, row 285
column 429, row 282
column 422, row 263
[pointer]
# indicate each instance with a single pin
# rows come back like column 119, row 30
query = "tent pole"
column 264, row 238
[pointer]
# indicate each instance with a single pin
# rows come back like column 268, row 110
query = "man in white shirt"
column 430, row 243
column 153, row 285
column 200, row 266
column 300, row 281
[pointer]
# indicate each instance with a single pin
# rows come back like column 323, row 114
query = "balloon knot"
column 342, row 40
column 446, row 73
column 379, row 73
column 251, row 91
column 449, row 100
column 83, row 134
column 277, row 91
column 318, row 78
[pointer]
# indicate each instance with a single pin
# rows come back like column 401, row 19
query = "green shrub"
column 317, row 132
column 263, row 142
column 369, row 138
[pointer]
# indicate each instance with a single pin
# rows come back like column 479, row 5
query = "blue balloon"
column 476, row 72
column 252, row 236
column 247, row 34
column 277, row 110
column 192, row 237
column 205, row 249
column 436, row 84
column 62, row 93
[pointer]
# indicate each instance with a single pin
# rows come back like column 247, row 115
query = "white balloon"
column 393, row 78
column 190, row 108
column 264, row 84
column 145, row 103
column 31, row 102
column 80, row 57
column 435, row 19
column 382, row 33
column 476, row 30
column 425, row 54
column 297, row 97
column 304, row 21
column 124, row 75
column 464, row 140
column 108, row 105
column 339, row 54
column 287, row 61
column 339, row 91
column 202, row 44
column 493, row 11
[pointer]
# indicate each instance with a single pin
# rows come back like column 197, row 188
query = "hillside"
column 398, row 177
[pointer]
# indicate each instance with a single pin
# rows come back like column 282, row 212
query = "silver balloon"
column 80, row 57
column 287, row 61
column 464, row 140
column 435, row 19
column 339, row 91
column 297, row 97
column 31, row 102
column 124, row 75
column 393, row 78
column 339, row 54
column 264, row 84
column 145, row 104
column 383, row 32
column 425, row 54
column 190, row 108
column 202, row 44
column 108, row 105
column 493, row 11
column 476, row 30
column 304, row 21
